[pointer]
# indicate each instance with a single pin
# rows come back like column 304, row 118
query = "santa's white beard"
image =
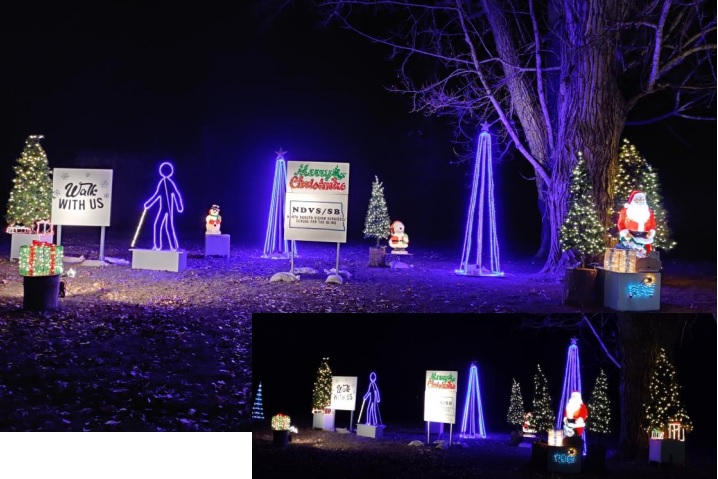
column 572, row 407
column 638, row 213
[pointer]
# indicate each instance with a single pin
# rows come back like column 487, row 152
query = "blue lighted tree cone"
column 41, row 293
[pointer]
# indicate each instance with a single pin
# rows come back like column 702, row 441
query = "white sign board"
column 440, row 396
column 344, row 393
column 317, row 201
column 81, row 197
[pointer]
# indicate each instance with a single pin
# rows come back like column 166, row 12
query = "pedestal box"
column 216, row 245
column 374, row 432
column 632, row 291
column 667, row 451
column 23, row 239
column 174, row 261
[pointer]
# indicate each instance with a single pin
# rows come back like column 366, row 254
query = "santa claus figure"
column 398, row 240
column 637, row 224
column 213, row 221
column 574, row 416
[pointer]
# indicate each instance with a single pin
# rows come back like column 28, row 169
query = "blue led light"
column 275, row 246
column 483, row 191
column 571, row 382
column 372, row 399
column 644, row 289
column 472, row 423
column 170, row 200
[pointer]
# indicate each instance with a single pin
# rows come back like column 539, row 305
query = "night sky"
column 128, row 85
column 401, row 348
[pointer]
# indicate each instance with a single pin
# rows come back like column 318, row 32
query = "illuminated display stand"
column 566, row 459
column 638, row 291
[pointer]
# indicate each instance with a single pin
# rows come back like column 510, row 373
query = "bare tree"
column 553, row 78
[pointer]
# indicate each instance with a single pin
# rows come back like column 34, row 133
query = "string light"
column 30, row 198
column 472, row 422
column 168, row 196
column 582, row 230
column 377, row 223
column 634, row 173
column 41, row 259
column 257, row 407
column 516, row 414
column 275, row 246
column 281, row 422
column 644, row 289
column 599, row 406
column 571, row 382
column 483, row 191
column 664, row 405
column 542, row 409
column 322, row 393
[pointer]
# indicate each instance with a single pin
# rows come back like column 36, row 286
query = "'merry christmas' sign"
column 81, row 197
column 440, row 396
column 317, row 201
column 344, row 393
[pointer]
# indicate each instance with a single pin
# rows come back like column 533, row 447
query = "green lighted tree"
column 322, row 394
column 516, row 413
column 543, row 416
column 634, row 173
column 377, row 223
column 582, row 233
column 664, row 404
column 599, row 407
column 31, row 194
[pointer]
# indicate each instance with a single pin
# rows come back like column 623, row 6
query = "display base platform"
column 41, row 293
column 632, row 291
column 24, row 239
column 323, row 421
column 174, row 261
column 216, row 245
column 667, row 451
column 375, row 432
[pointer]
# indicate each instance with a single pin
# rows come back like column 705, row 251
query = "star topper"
column 574, row 340
column 281, row 153
column 485, row 126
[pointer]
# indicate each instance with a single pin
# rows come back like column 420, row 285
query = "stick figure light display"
column 372, row 400
column 168, row 200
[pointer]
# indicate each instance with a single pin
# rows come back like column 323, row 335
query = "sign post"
column 440, row 399
column 82, row 197
column 317, row 204
column 344, row 395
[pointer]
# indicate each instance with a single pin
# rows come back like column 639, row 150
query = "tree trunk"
column 640, row 338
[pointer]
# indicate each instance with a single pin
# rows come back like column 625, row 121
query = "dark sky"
column 127, row 85
column 400, row 348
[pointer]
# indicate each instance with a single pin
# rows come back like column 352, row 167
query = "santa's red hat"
column 632, row 196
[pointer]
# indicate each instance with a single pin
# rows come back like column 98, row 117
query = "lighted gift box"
column 620, row 260
column 41, row 259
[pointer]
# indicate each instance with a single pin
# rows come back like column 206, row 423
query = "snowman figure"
column 398, row 240
column 213, row 221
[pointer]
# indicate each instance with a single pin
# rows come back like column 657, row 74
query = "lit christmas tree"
column 516, row 412
column 582, row 231
column 322, row 394
column 31, row 195
column 634, row 173
column 599, row 407
column 543, row 416
column 258, row 407
column 377, row 222
column 664, row 404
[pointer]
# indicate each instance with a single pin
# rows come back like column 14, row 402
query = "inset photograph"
column 488, row 395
